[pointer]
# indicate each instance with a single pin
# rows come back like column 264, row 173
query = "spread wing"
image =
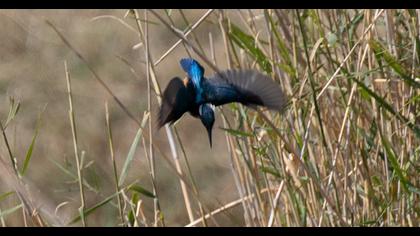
column 194, row 70
column 248, row 87
column 175, row 102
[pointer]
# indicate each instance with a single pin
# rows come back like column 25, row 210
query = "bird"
column 199, row 95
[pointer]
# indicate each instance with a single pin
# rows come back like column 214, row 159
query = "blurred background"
column 32, row 72
column 346, row 158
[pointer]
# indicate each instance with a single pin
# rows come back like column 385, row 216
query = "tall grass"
column 346, row 151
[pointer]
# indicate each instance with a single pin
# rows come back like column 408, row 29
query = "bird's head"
column 206, row 112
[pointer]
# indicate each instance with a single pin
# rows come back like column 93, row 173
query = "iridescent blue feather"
column 194, row 70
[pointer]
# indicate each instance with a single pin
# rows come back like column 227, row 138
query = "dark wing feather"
column 175, row 102
column 248, row 87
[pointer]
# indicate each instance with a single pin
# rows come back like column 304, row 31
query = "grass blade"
column 248, row 43
column 388, row 107
column 31, row 147
column 381, row 52
column 5, row 195
column 283, row 50
column 92, row 209
column 141, row 190
column 10, row 210
column 13, row 110
column 131, row 214
column 237, row 133
column 407, row 186
column 132, row 150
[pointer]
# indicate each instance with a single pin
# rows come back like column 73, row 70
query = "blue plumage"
column 206, row 112
column 194, row 70
column 199, row 94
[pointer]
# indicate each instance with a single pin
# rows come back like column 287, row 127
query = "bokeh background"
column 32, row 71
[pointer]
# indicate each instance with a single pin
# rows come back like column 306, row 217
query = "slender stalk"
column 194, row 185
column 195, row 25
column 9, row 150
column 114, row 165
column 149, row 108
column 76, row 151
column 228, row 206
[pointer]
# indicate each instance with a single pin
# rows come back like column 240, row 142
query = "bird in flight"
column 199, row 95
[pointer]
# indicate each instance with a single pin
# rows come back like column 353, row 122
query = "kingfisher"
column 199, row 95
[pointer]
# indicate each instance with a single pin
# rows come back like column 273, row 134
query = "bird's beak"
column 209, row 133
